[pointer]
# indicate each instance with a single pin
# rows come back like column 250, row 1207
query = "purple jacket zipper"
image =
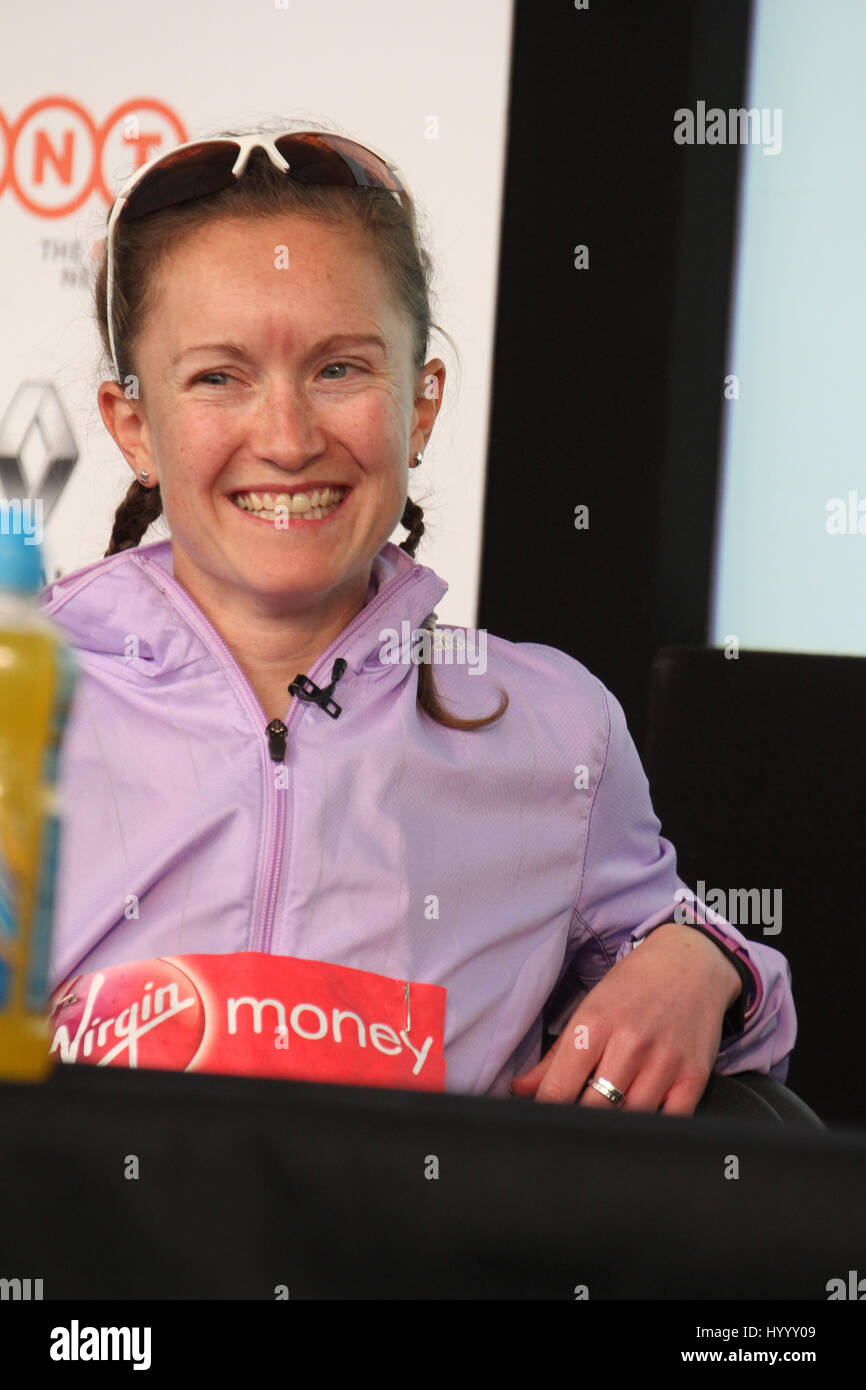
column 276, row 731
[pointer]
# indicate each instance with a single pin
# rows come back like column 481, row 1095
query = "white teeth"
column 313, row 504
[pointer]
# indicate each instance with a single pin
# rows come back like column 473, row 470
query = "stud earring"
column 418, row 458
column 143, row 476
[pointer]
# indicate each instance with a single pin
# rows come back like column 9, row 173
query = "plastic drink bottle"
column 37, row 679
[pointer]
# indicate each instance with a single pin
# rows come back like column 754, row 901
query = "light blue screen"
column 796, row 437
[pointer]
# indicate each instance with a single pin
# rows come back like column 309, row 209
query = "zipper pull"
column 277, row 734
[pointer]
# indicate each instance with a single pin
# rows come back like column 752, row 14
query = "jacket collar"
column 101, row 605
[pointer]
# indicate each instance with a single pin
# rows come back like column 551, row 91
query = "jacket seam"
column 73, row 590
column 576, row 909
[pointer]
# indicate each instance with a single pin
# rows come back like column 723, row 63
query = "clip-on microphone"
column 306, row 689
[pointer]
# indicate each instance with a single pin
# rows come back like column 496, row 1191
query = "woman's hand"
column 651, row 1026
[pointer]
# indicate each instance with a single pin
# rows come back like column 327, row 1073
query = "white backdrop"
column 425, row 85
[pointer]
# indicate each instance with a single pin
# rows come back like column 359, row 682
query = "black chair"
column 751, row 1095
column 757, row 771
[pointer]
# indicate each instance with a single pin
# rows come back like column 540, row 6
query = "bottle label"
column 46, row 872
column 8, row 917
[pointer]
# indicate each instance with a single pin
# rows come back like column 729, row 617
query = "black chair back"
column 757, row 770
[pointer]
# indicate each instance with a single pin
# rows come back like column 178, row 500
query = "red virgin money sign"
column 253, row 1014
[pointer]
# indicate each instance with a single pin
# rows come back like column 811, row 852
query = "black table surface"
column 121, row 1184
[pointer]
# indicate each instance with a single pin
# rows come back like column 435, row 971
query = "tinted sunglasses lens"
column 192, row 173
column 330, row 159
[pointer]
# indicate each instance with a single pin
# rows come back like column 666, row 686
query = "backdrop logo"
column 54, row 155
column 34, row 426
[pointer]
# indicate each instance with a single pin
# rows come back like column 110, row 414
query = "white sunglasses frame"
column 246, row 144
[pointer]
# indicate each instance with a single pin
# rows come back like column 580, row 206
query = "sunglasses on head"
column 202, row 167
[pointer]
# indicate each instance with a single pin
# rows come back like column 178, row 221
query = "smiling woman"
column 259, row 770
column 286, row 272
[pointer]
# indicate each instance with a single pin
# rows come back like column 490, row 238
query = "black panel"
column 589, row 364
column 757, row 774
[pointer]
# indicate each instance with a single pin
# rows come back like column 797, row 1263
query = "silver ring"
column 606, row 1089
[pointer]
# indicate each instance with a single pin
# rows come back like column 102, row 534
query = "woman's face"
column 273, row 360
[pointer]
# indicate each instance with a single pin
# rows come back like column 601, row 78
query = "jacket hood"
column 120, row 599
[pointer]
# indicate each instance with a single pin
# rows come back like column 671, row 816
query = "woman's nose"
column 286, row 427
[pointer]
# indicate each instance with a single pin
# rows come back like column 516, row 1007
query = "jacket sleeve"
column 629, row 886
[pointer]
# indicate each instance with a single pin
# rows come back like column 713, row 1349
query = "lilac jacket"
column 481, row 861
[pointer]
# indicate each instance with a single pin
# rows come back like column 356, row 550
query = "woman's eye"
column 205, row 376
column 350, row 365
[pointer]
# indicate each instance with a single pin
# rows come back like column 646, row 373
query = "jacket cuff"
column 735, row 1018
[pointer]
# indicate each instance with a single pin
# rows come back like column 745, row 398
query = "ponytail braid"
column 413, row 520
column 428, row 697
column 141, row 506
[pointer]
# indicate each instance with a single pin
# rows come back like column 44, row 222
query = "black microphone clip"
column 306, row 689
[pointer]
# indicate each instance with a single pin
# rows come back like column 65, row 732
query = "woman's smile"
column 286, row 512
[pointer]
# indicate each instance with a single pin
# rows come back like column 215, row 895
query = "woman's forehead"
column 284, row 282
column 232, row 235
column 336, row 261
column 218, row 287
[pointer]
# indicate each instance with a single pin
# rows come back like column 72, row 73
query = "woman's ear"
column 122, row 416
column 429, row 387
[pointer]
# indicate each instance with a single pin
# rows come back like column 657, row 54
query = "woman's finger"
column 684, row 1094
column 571, row 1069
